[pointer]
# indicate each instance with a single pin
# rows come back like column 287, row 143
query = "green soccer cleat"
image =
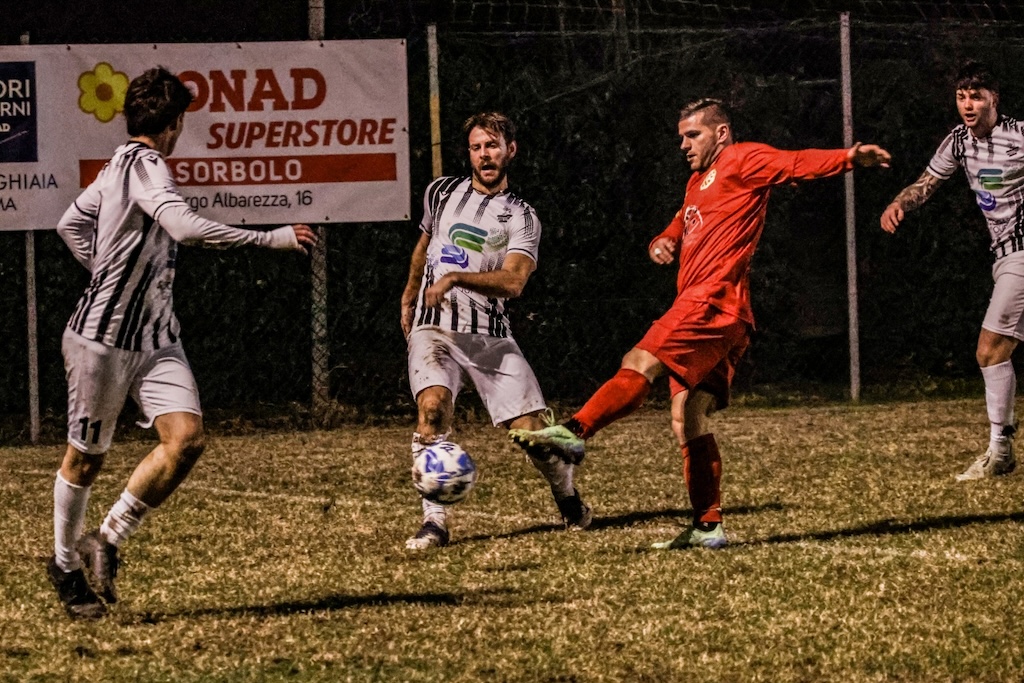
column 695, row 538
column 553, row 440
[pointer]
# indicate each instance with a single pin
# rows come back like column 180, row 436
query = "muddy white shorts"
column 1005, row 314
column 101, row 377
column 496, row 367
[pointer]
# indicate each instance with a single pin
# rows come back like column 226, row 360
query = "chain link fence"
column 595, row 88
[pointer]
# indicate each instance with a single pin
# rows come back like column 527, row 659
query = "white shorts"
column 100, row 377
column 1005, row 314
column 502, row 377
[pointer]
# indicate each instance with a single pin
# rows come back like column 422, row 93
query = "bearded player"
column 702, row 337
column 478, row 247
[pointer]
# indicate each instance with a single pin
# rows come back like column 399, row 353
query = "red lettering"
column 387, row 132
column 291, row 134
column 328, row 128
column 218, row 139
column 299, row 78
column 312, row 136
column 274, row 134
column 235, row 93
column 267, row 88
column 347, row 132
column 367, row 129
column 255, row 131
column 233, row 140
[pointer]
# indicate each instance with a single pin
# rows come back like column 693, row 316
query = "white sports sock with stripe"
column 124, row 518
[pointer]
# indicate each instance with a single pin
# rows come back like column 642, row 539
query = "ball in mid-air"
column 443, row 473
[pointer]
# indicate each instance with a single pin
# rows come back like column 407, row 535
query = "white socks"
column 1000, row 390
column 124, row 518
column 69, row 503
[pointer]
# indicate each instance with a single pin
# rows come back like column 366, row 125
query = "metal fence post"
column 320, row 350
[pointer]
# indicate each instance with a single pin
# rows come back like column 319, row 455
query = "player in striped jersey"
column 990, row 148
column 478, row 246
column 701, row 338
column 123, row 337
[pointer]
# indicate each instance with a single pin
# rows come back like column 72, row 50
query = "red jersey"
column 722, row 218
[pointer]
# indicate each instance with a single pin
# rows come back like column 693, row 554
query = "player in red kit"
column 702, row 337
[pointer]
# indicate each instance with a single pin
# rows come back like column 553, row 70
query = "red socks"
column 618, row 397
column 702, row 470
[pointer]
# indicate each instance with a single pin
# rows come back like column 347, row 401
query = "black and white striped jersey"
column 125, row 228
column 995, row 172
column 473, row 232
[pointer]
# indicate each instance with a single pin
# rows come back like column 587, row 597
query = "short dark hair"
column 154, row 101
column 714, row 110
column 975, row 75
column 494, row 122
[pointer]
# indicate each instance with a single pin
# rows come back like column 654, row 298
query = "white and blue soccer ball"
column 443, row 473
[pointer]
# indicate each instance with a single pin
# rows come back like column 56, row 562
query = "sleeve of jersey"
column 674, row 231
column 77, row 227
column 428, row 210
column 764, row 166
column 526, row 238
column 158, row 196
column 943, row 164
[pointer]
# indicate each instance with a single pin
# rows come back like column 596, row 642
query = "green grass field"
column 855, row 556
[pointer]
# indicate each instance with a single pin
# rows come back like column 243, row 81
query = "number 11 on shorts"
column 95, row 427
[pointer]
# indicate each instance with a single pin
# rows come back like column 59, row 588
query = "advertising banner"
column 279, row 132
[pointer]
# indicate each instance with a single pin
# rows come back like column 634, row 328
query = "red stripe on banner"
column 276, row 170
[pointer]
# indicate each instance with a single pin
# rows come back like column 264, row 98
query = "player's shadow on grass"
column 888, row 527
column 618, row 521
column 491, row 597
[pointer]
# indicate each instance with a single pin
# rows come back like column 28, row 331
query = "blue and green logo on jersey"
column 454, row 255
column 468, row 236
column 991, row 178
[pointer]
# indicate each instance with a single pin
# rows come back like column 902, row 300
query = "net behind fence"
column 595, row 88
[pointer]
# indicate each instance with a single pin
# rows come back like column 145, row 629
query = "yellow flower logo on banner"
column 103, row 91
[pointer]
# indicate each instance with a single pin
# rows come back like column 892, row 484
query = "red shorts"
column 701, row 347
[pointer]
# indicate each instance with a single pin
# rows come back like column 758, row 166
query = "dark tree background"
column 595, row 88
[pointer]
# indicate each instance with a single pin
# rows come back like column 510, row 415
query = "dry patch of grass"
column 855, row 557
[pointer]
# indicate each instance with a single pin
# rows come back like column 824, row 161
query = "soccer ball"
column 443, row 473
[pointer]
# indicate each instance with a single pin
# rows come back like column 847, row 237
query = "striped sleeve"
column 77, row 227
column 158, row 195
column 944, row 162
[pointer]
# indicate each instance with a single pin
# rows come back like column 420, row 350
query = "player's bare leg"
column 576, row 515
column 154, row 479
column 702, row 470
column 435, row 408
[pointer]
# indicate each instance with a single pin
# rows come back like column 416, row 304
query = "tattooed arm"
column 910, row 198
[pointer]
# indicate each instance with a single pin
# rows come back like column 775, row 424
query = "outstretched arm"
column 910, row 198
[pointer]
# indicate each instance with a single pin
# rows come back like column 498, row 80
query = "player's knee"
column 677, row 429
column 188, row 445
column 193, row 448
column 81, row 468
column 434, row 413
